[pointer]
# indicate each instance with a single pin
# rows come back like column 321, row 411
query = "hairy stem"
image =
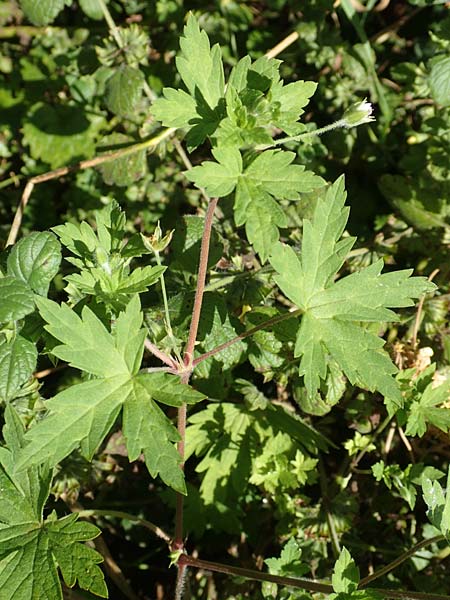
column 398, row 561
column 201, row 277
column 163, row 357
column 307, row 134
column 304, row 584
column 246, row 334
column 181, row 581
column 299, row 583
column 189, row 350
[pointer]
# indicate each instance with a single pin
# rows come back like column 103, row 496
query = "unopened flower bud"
column 358, row 113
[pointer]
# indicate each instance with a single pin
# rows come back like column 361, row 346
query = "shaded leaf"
column 17, row 363
column 17, row 299
column 42, row 12
column 35, row 260
column 123, row 90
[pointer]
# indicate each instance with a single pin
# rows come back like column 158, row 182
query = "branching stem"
column 246, row 334
column 299, row 583
column 398, row 561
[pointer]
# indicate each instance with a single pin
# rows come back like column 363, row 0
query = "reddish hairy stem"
column 178, row 542
column 299, row 583
column 246, row 334
column 202, row 268
column 163, row 357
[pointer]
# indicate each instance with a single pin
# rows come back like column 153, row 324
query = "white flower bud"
column 358, row 113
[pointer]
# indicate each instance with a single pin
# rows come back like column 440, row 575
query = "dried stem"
column 84, row 164
column 285, row 43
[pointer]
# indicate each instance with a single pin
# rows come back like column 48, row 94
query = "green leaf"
column 219, row 179
column 292, row 98
column 168, row 389
column 42, row 12
column 87, row 344
column 83, row 414
column 17, row 363
column 123, row 90
column 345, row 576
column 438, row 502
column 199, row 65
column 31, row 553
column 290, row 563
column 35, row 260
column 271, row 175
column 60, row 134
column 425, row 410
column 420, row 203
column 125, row 170
column 440, row 81
column 333, row 312
column 201, row 70
column 147, row 429
column 92, row 9
column 17, row 299
column 31, row 549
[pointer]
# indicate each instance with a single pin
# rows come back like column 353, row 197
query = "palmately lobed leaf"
column 199, row 65
column 333, row 311
column 87, row 344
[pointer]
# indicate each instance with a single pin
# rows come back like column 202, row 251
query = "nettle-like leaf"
column 17, row 299
column 60, row 134
column 201, row 70
column 270, row 176
column 125, row 170
column 35, row 260
column 438, row 501
column 42, row 12
column 333, row 312
column 123, row 90
column 31, row 548
column 440, row 81
column 82, row 415
column 17, row 362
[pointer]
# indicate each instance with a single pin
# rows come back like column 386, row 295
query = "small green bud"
column 358, row 113
column 156, row 242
